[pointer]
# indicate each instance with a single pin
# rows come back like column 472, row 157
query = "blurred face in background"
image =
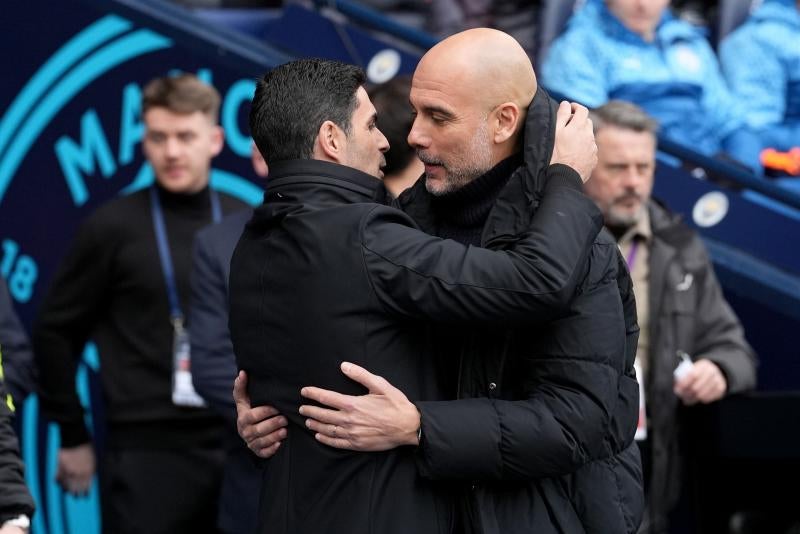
column 180, row 148
column 639, row 16
column 622, row 181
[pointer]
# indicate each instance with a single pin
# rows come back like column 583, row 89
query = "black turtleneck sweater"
column 461, row 215
column 110, row 289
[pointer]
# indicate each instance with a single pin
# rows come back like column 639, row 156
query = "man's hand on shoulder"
column 574, row 144
column 262, row 428
column 381, row 420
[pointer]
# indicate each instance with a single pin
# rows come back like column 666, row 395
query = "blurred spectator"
column 20, row 373
column 125, row 283
column 16, row 504
column 403, row 167
column 679, row 302
column 214, row 364
column 635, row 50
column 761, row 61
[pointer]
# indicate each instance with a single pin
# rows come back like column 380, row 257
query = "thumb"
column 563, row 114
column 240, row 396
column 374, row 383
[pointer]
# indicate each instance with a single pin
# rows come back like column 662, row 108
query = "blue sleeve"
column 573, row 69
column 20, row 376
column 213, row 363
column 756, row 77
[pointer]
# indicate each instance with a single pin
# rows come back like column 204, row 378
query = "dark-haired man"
column 322, row 273
column 125, row 284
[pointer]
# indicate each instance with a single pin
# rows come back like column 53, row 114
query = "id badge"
column 183, row 392
column 641, row 427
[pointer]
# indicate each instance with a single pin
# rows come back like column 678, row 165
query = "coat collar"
column 321, row 173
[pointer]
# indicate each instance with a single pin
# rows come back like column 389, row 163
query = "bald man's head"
column 470, row 93
column 492, row 65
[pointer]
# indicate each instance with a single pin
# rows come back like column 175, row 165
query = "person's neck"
column 192, row 199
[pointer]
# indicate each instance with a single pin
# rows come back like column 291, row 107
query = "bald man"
column 539, row 434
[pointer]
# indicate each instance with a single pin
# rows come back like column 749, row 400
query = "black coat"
column 14, row 497
column 543, row 428
column 322, row 274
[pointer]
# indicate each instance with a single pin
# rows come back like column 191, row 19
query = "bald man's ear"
column 330, row 144
column 506, row 121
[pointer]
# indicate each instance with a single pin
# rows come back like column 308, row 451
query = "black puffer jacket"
column 543, row 431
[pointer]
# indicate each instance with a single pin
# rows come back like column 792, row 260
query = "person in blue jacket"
column 635, row 50
column 761, row 61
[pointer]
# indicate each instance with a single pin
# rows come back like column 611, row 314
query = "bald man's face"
column 450, row 131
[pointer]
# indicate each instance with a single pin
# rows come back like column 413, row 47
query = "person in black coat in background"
column 533, row 403
column 16, row 504
column 321, row 271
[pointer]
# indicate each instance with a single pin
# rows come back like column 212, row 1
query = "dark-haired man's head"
column 181, row 132
column 317, row 109
column 403, row 167
column 626, row 158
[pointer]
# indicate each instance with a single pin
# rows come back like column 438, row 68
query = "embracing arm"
column 531, row 279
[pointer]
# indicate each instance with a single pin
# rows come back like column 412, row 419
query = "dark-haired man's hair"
column 293, row 100
column 394, row 120
column 183, row 94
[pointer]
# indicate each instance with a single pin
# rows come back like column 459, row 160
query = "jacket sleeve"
column 20, row 375
column 719, row 335
column 66, row 319
column 213, row 362
column 417, row 276
column 756, row 77
column 14, row 497
column 569, row 409
column 574, row 69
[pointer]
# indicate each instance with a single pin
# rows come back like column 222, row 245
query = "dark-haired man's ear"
column 330, row 145
column 504, row 121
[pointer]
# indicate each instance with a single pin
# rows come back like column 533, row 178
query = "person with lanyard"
column 691, row 346
column 124, row 283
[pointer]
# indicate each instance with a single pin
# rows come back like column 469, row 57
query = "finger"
column 254, row 416
column 268, row 452
column 268, row 440
column 374, row 383
column 333, row 417
column 257, row 427
column 326, row 397
column 580, row 114
column 332, row 431
column 271, row 425
column 563, row 114
column 240, row 396
column 337, row 443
